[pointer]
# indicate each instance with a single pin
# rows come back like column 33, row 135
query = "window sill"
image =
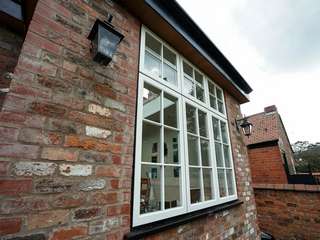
column 156, row 227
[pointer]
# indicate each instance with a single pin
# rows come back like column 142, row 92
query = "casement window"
column 183, row 159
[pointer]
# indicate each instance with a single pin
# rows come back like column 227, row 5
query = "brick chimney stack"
column 270, row 109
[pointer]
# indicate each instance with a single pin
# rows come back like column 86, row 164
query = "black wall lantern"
column 105, row 39
column 245, row 126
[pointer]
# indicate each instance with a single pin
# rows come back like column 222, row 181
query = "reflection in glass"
column 172, row 179
column 151, row 103
column 169, row 56
column 219, row 157
column 153, row 44
column 224, row 132
column 222, row 183
column 219, row 94
column 188, row 86
column 152, row 64
column 230, row 182
column 207, row 183
column 216, row 130
column 193, row 150
column 187, row 69
column 202, row 117
column 171, row 138
column 169, row 74
column 150, row 143
column 198, row 77
column 226, row 153
column 150, row 193
column 211, row 88
column 200, row 93
column 195, row 191
column 191, row 119
column 170, row 110
column 213, row 102
column 204, row 144
column 220, row 107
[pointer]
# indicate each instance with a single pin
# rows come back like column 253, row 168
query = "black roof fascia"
column 174, row 14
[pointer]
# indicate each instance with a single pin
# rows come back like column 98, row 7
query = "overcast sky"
column 275, row 45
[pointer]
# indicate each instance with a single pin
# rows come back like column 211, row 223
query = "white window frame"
column 183, row 99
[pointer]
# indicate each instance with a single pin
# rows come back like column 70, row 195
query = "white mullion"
column 162, row 186
column 199, row 156
column 151, row 122
column 214, row 179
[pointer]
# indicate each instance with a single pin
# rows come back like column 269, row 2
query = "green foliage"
column 308, row 160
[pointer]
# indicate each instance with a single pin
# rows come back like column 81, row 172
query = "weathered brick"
column 4, row 168
column 8, row 134
column 47, row 219
column 19, row 150
column 92, row 184
column 104, row 225
column 96, row 109
column 92, row 144
column 86, row 213
column 97, row 132
column 23, row 205
column 114, row 104
column 107, row 171
column 37, row 236
column 15, row 187
column 53, row 186
column 104, row 198
column 47, row 109
column 69, row 233
column 75, row 170
column 56, row 153
column 30, row 135
column 34, row 168
column 94, row 157
column 10, row 225
column 69, row 201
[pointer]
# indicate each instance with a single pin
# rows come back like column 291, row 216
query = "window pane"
column 150, row 194
column 213, row 102
column 207, row 183
column 220, row 107
column 230, row 182
column 153, row 44
column 169, row 74
column 150, row 143
column 198, row 77
column 195, row 189
column 205, row 152
column 172, row 178
column 169, row 56
column 211, row 88
column 224, row 132
column 188, row 86
column 216, row 130
column 222, row 183
column 219, row 94
column 187, row 69
column 171, row 146
column 219, row 158
column 191, row 119
column 226, row 153
column 152, row 64
column 202, row 117
column 193, row 150
column 170, row 110
column 151, row 103
column 200, row 93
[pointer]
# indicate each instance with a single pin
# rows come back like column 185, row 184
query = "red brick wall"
column 289, row 211
column 10, row 46
column 66, row 128
column 266, row 165
column 67, row 136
